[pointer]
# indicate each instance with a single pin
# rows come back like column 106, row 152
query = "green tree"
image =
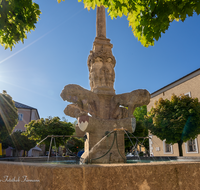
column 75, row 144
column 141, row 130
column 17, row 18
column 39, row 129
column 148, row 18
column 176, row 120
column 19, row 142
column 8, row 115
column 140, row 112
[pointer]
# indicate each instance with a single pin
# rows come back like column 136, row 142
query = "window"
column 20, row 116
column 18, row 130
column 167, row 148
column 150, row 144
column 191, row 146
column 157, row 148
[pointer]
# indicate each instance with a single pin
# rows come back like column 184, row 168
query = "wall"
column 26, row 119
column 156, row 142
column 28, row 115
column 191, row 85
column 34, row 115
column 158, row 176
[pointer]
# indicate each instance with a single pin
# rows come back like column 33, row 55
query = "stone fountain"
column 100, row 111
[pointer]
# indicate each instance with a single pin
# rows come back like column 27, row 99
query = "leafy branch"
column 147, row 18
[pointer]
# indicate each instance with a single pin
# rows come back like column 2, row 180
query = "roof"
column 177, row 82
column 19, row 105
column 23, row 106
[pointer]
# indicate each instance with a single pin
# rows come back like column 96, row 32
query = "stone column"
column 101, row 22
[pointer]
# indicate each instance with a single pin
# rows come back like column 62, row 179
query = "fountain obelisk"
column 101, row 22
column 100, row 111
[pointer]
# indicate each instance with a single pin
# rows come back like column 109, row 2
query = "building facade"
column 25, row 115
column 188, row 85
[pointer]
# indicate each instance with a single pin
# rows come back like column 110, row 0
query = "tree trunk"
column 180, row 147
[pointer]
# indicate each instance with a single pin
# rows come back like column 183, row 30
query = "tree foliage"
column 148, row 18
column 17, row 18
column 176, row 120
column 141, row 130
column 39, row 129
column 19, row 142
column 8, row 115
column 75, row 144
column 140, row 112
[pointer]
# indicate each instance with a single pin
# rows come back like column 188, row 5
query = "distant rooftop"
column 19, row 105
column 177, row 82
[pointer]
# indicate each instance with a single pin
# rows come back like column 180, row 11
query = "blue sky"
column 55, row 54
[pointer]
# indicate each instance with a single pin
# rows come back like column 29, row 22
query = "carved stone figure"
column 100, row 111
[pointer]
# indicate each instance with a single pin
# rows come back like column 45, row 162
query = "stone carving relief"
column 86, row 102
column 101, row 70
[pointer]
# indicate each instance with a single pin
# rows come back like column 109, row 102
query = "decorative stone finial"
column 101, row 22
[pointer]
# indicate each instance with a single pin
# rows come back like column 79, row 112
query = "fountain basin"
column 141, row 176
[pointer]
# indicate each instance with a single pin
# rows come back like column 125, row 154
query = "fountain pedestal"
column 107, row 111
